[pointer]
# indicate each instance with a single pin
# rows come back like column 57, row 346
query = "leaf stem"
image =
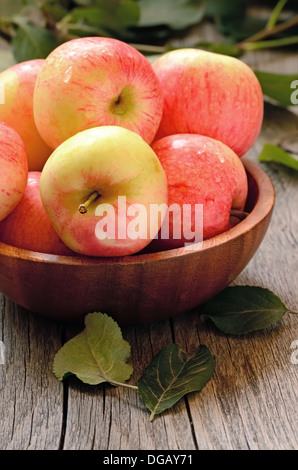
column 254, row 46
column 275, row 13
column 122, row 384
column 264, row 33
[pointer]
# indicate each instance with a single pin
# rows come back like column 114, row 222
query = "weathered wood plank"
column 31, row 406
column 106, row 417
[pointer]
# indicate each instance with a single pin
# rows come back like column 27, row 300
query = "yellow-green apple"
column 210, row 94
column 90, row 82
column 200, row 171
column 18, row 84
column 28, row 225
column 13, row 169
column 98, row 188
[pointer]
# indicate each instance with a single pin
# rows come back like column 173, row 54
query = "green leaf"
column 242, row 309
column 240, row 28
column 224, row 8
column 32, row 42
column 97, row 354
column 83, row 2
column 107, row 17
column 172, row 374
column 176, row 14
column 129, row 13
column 53, row 10
column 93, row 17
column 277, row 86
column 273, row 153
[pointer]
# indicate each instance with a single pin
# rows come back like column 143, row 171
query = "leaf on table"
column 277, row 86
column 242, row 309
column 176, row 14
column 32, row 42
column 172, row 374
column 273, row 153
column 97, row 354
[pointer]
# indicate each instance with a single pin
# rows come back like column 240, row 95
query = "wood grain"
column 251, row 401
column 31, row 399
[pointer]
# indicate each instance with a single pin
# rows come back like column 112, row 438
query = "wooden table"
column 251, row 400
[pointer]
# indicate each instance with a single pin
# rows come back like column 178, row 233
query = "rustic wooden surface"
column 251, row 400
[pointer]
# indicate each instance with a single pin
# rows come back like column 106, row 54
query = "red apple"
column 199, row 170
column 210, row 94
column 90, row 82
column 13, row 169
column 17, row 110
column 28, row 225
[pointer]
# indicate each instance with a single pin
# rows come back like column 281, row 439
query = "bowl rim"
column 263, row 207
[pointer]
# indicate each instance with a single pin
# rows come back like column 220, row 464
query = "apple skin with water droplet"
column 200, row 171
column 91, row 82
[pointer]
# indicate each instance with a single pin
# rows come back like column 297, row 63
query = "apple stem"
column 83, row 208
column 239, row 214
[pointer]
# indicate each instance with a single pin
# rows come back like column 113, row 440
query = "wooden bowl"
column 144, row 287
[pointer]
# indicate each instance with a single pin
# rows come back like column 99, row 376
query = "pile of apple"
column 96, row 125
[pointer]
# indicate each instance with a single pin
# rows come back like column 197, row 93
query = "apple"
column 97, row 188
column 13, row 169
column 28, row 225
column 210, row 94
column 18, row 82
column 200, row 171
column 90, row 82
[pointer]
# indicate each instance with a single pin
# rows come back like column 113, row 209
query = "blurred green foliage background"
column 35, row 27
